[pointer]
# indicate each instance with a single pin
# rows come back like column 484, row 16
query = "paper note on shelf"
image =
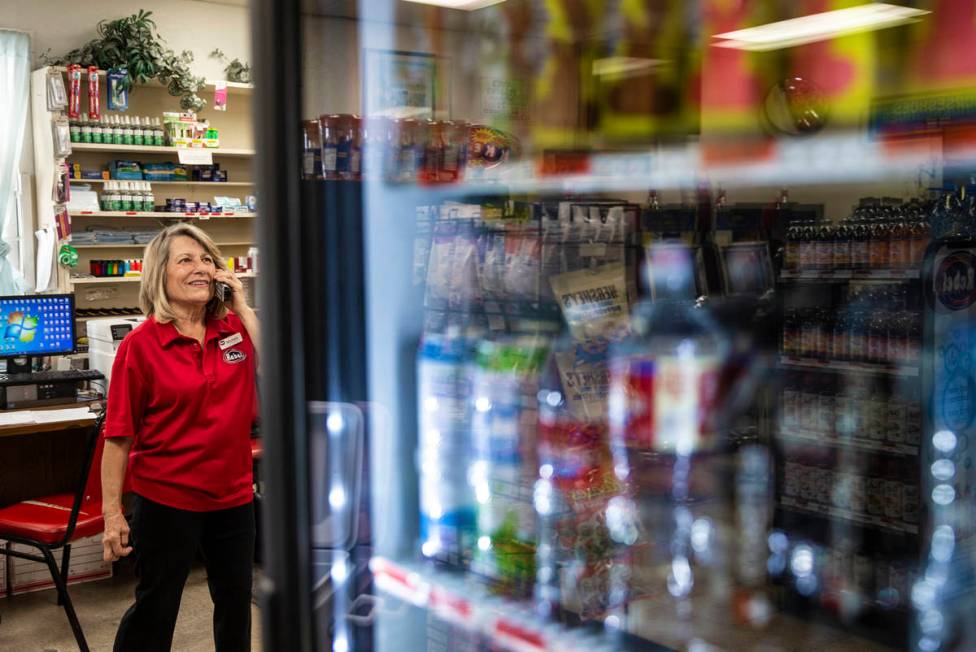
column 195, row 156
column 25, row 417
column 67, row 414
column 16, row 418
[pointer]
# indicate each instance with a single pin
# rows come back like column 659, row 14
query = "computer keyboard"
column 55, row 376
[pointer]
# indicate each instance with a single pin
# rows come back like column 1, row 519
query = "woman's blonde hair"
column 152, row 289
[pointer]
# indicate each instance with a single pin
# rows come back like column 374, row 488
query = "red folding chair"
column 51, row 522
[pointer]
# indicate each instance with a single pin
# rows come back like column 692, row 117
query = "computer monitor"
column 36, row 325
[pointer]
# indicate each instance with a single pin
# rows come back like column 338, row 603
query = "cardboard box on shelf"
column 85, row 565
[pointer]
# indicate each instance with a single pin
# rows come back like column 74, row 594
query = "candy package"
column 594, row 302
column 586, row 380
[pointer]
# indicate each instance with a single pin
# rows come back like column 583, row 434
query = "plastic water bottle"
column 503, row 472
column 447, row 509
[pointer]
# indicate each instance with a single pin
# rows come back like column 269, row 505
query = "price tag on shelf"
column 195, row 156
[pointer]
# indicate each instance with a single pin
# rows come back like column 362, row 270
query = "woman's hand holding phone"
column 234, row 297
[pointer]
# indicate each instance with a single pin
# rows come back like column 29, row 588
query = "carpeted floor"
column 33, row 622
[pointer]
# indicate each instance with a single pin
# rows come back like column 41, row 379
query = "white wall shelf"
column 79, row 182
column 133, row 245
column 233, row 88
column 98, row 280
column 164, row 215
column 155, row 149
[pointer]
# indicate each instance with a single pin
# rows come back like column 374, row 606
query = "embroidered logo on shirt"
column 234, row 356
column 230, row 341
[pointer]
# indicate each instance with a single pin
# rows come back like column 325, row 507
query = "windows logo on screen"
column 20, row 327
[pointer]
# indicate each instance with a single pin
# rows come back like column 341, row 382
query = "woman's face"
column 189, row 273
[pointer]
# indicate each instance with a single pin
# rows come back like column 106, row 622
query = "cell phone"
column 222, row 291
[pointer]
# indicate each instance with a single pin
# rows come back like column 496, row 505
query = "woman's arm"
column 115, row 539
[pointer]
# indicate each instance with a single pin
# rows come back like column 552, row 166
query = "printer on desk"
column 104, row 337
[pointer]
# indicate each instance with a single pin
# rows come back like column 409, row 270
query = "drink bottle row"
column 399, row 150
column 877, row 235
column 858, row 409
column 876, row 491
column 851, row 580
column 874, row 325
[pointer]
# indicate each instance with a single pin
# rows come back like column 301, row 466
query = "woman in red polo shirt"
column 180, row 408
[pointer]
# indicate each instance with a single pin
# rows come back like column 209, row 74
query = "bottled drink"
column 504, row 468
column 842, row 247
column 824, row 248
column 664, row 393
column 136, row 192
column 138, row 133
column 97, row 131
column 860, row 246
column 434, row 152
column 356, row 147
column 824, row 334
column 447, row 506
column 840, row 348
column 455, row 150
column 809, row 333
column 126, row 196
column 877, row 412
column 791, row 403
column 826, row 402
column 858, row 337
column 104, row 202
column 344, row 141
column 920, row 236
column 899, row 245
column 880, row 233
column 311, row 150
column 806, row 247
column 158, row 135
column 150, row 198
column 128, row 133
column 118, row 131
column 897, row 415
column 86, row 129
column 329, row 133
column 406, row 171
column 791, row 334
column 878, row 337
column 898, row 334
column 791, row 246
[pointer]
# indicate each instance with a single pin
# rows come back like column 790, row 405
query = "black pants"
column 165, row 542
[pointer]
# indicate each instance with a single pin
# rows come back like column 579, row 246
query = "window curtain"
column 15, row 82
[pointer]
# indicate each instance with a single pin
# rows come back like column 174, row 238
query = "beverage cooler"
column 616, row 325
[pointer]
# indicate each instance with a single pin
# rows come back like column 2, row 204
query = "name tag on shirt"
column 230, row 341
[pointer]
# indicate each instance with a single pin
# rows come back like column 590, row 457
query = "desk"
column 39, row 459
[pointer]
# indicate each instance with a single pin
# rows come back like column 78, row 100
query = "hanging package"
column 118, row 95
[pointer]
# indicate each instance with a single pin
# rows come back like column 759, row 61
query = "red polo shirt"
column 188, row 410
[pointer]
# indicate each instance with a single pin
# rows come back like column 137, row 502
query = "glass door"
column 617, row 325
